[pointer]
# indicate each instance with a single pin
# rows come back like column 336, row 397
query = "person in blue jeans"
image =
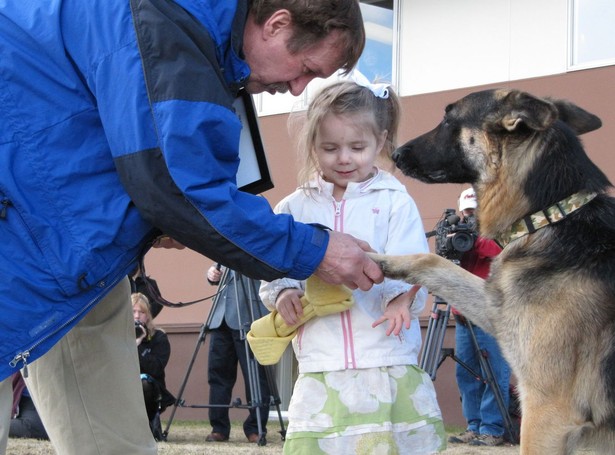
column 228, row 348
column 485, row 423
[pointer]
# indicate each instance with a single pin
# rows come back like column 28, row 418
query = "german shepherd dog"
column 550, row 297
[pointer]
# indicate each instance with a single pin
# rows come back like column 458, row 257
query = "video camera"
column 453, row 238
column 141, row 329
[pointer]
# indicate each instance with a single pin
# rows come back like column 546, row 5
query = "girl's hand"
column 397, row 312
column 289, row 305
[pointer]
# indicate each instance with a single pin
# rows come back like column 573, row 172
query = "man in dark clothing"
column 236, row 306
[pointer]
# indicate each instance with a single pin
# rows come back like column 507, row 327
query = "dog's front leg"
column 460, row 288
column 547, row 426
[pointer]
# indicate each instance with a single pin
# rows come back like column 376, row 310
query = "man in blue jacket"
column 116, row 124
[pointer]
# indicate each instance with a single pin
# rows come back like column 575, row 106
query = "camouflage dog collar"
column 550, row 215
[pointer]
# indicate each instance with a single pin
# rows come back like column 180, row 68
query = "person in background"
column 25, row 421
column 154, row 352
column 359, row 386
column 118, row 125
column 485, row 423
column 227, row 347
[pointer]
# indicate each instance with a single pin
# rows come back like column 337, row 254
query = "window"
column 377, row 62
column 592, row 41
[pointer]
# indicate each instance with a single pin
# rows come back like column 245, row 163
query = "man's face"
column 468, row 212
column 275, row 69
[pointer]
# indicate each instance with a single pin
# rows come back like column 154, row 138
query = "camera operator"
column 479, row 406
column 154, row 352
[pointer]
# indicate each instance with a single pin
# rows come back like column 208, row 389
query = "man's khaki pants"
column 6, row 404
column 87, row 388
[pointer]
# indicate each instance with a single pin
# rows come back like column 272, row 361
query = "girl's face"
column 138, row 314
column 346, row 149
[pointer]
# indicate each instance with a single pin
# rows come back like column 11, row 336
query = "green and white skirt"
column 384, row 410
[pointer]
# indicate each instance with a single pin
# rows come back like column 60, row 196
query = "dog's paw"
column 391, row 266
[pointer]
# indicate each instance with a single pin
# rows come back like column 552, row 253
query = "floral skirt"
column 384, row 410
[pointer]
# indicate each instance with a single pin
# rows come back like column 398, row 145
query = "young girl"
column 359, row 389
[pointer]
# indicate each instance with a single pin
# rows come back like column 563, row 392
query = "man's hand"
column 345, row 262
column 214, row 274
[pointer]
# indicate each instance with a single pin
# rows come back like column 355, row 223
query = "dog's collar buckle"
column 552, row 214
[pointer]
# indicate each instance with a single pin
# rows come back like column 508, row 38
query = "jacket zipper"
column 338, row 223
column 347, row 334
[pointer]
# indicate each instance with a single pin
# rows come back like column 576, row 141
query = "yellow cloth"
column 269, row 335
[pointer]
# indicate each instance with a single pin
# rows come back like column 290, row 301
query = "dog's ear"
column 522, row 108
column 576, row 118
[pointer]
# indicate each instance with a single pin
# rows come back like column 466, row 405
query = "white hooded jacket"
column 381, row 212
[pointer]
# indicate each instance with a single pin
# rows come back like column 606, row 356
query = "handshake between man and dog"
column 550, row 297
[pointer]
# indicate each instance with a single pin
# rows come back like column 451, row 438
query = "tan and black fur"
column 550, row 297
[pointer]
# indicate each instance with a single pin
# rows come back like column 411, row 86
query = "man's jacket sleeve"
column 175, row 137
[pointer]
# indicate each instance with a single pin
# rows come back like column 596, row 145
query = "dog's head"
column 477, row 131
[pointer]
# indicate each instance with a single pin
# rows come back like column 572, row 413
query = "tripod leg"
column 437, row 348
column 490, row 380
column 432, row 354
column 430, row 340
column 275, row 397
column 256, row 401
column 180, row 394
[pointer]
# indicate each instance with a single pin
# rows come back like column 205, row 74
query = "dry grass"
column 188, row 438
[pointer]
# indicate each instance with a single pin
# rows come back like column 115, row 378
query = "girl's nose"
column 344, row 155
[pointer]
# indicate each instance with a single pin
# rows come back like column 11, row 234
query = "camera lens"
column 462, row 241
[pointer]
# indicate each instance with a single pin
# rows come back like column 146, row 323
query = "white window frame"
column 573, row 37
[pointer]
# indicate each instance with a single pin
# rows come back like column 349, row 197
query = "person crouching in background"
column 154, row 352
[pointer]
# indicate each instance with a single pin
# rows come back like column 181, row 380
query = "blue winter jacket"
column 116, row 123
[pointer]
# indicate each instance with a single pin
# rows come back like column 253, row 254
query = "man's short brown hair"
column 313, row 20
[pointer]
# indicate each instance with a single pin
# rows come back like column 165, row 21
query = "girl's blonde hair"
column 142, row 302
column 342, row 98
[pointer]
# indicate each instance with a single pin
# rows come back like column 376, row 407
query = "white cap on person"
column 467, row 200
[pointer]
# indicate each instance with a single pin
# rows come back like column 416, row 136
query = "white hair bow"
column 379, row 90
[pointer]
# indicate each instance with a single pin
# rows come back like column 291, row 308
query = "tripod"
column 433, row 355
column 243, row 296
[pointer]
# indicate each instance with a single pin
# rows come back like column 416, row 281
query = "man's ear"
column 279, row 21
